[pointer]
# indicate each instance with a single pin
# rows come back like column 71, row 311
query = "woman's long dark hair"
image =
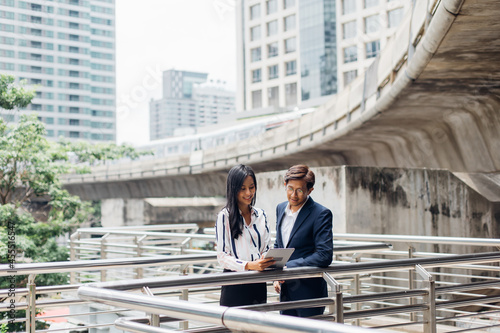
column 235, row 179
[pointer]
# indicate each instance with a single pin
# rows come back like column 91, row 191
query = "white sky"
column 156, row 35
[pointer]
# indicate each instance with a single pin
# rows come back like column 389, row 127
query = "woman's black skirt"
column 243, row 294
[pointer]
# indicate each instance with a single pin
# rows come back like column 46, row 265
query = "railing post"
column 103, row 255
column 184, row 325
column 357, row 287
column 186, row 244
column 338, row 308
column 72, row 253
column 411, row 283
column 31, row 309
column 139, row 271
column 429, row 299
column 154, row 318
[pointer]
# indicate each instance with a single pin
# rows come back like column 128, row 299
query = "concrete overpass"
column 430, row 100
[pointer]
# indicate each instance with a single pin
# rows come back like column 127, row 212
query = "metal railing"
column 394, row 292
column 430, row 302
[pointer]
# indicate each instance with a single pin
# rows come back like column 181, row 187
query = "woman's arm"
column 225, row 245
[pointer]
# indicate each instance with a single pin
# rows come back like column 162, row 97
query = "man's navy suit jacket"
column 312, row 238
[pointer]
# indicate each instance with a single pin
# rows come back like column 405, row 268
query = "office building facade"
column 286, row 52
column 364, row 27
column 189, row 100
column 293, row 53
column 66, row 50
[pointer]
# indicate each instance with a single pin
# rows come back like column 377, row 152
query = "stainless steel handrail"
column 421, row 239
column 81, row 265
column 232, row 318
column 115, row 294
column 195, row 281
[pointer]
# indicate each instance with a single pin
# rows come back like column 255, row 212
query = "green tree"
column 35, row 209
column 14, row 96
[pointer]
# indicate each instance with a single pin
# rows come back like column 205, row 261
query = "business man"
column 306, row 226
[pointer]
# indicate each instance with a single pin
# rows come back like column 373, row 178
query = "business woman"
column 306, row 226
column 243, row 237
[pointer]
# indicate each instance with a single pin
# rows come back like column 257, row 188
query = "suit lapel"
column 281, row 213
column 304, row 213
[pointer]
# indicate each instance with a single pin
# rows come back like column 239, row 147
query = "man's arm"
column 323, row 242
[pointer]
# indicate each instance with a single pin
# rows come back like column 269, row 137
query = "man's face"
column 297, row 193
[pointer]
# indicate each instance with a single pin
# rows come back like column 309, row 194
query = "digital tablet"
column 281, row 256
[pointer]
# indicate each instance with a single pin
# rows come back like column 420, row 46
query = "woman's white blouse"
column 234, row 254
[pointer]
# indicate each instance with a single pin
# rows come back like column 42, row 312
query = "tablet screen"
column 280, row 256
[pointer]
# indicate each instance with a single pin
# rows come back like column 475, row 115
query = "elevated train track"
column 431, row 99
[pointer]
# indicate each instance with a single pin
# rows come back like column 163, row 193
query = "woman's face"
column 247, row 192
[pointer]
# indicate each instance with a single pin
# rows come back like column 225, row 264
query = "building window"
column 372, row 49
column 37, row 45
column 291, row 94
column 273, row 97
column 36, row 107
column 73, row 134
column 291, row 67
column 74, row 122
column 74, row 49
column 348, row 6
column 255, row 54
column 290, row 45
column 256, row 99
column 36, row 56
column 349, row 29
column 74, row 98
column 271, row 6
column 288, row 4
column 74, row 73
column 73, row 109
column 350, row 54
column 73, row 85
column 371, row 3
column 36, row 19
column 372, row 24
column 255, row 33
column 256, row 75
column 289, row 23
column 350, row 76
column 273, row 72
column 272, row 28
column 394, row 17
column 255, row 11
column 272, row 50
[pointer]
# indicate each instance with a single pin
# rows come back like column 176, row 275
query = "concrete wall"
column 123, row 212
column 394, row 201
column 367, row 200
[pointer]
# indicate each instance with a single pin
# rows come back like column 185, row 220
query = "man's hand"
column 259, row 264
column 277, row 286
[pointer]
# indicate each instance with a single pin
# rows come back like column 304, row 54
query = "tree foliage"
column 12, row 95
column 32, row 198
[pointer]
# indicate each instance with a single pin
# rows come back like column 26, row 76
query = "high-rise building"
column 189, row 100
column 364, row 27
column 66, row 49
column 287, row 53
column 295, row 52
